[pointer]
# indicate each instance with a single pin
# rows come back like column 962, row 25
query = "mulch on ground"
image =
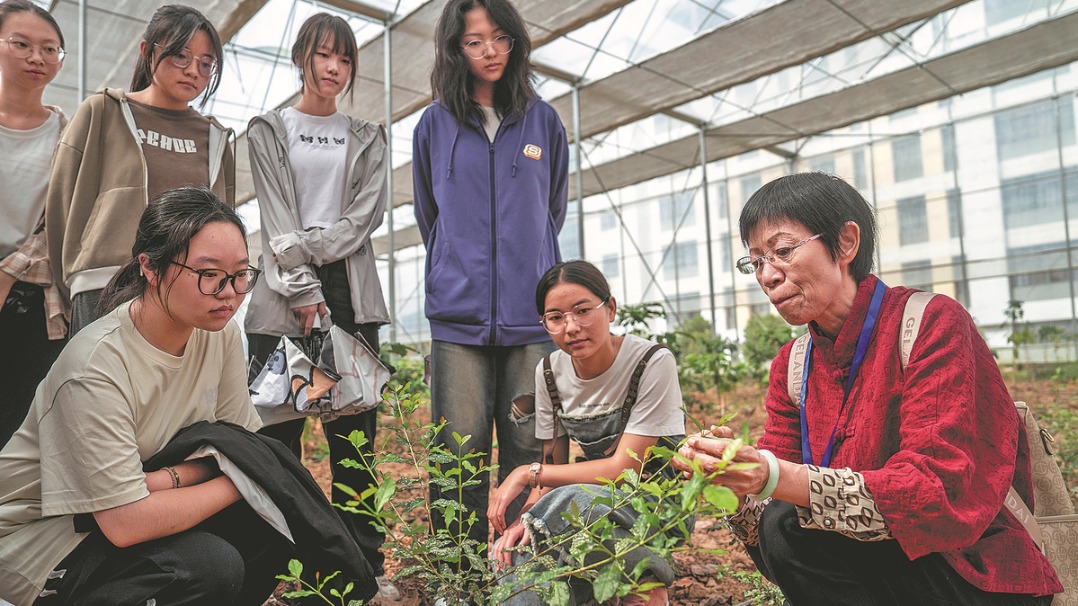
column 700, row 582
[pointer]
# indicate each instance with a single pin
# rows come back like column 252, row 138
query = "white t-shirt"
column 658, row 406
column 491, row 122
column 318, row 153
column 25, row 158
column 110, row 402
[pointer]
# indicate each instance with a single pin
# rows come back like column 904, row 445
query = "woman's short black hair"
column 822, row 203
column 572, row 272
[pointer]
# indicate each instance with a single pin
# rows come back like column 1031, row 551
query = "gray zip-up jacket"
column 290, row 253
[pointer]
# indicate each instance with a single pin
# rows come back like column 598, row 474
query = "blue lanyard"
column 858, row 358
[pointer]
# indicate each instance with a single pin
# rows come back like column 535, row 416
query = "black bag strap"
column 634, row 391
column 552, row 389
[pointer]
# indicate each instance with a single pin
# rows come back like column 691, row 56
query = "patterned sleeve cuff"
column 745, row 524
column 840, row 502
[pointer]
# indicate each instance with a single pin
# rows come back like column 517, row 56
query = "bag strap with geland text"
column 911, row 325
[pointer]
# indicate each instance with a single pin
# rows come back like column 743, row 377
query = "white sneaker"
column 386, row 589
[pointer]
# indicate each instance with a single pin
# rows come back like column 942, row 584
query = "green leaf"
column 606, row 584
column 721, row 497
column 295, row 568
column 386, row 491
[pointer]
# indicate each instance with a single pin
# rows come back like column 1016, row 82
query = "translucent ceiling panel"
column 638, row 31
column 905, row 47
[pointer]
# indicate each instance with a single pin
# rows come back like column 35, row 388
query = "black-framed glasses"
column 476, row 49
column 779, row 256
column 206, row 63
column 584, row 315
column 212, row 281
column 22, row 49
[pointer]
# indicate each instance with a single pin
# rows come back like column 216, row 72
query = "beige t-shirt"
column 110, row 402
column 175, row 144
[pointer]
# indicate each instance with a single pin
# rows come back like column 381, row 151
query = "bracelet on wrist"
column 772, row 475
column 534, row 480
column 172, row 473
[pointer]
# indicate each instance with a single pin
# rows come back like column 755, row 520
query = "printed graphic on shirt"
column 323, row 142
column 533, row 151
column 167, row 143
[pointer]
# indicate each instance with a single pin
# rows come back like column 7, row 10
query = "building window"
column 860, row 175
column 681, row 261
column 917, row 274
column 823, row 164
column 954, row 213
column 912, row 221
column 676, row 211
column 947, row 145
column 1031, row 129
column 1031, row 200
column 607, row 220
column 1039, row 272
column 906, row 155
column 611, row 268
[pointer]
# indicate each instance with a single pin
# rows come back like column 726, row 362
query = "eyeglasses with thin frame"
column 22, row 49
column 212, row 281
column 206, row 63
column 584, row 315
column 477, row 49
column 778, row 256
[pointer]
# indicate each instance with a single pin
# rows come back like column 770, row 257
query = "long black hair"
column 164, row 234
column 821, row 202
column 331, row 31
column 170, row 30
column 11, row 7
column 451, row 80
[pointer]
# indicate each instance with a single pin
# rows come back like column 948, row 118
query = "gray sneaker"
column 386, row 589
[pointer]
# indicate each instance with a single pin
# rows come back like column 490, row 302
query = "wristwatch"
column 533, row 475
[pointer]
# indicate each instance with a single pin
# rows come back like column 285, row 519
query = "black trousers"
column 820, row 567
column 27, row 354
column 338, row 299
column 231, row 559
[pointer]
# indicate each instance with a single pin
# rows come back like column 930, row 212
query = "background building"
column 956, row 120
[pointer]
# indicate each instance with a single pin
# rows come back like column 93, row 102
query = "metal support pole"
column 707, row 229
column 579, row 170
column 81, row 88
column 388, row 78
column 1066, row 215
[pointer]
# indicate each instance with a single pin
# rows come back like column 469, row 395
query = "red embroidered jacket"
column 937, row 443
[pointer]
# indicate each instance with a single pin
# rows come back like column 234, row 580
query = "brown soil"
column 699, row 582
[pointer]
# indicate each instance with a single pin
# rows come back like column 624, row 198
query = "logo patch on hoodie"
column 533, row 151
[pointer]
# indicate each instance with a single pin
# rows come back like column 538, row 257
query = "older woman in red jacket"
column 880, row 484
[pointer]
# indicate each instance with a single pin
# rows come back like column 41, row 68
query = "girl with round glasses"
column 124, row 148
column 490, row 175
column 31, row 309
column 84, row 523
column 613, row 396
column 320, row 179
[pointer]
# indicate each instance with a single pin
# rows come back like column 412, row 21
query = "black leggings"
column 820, row 567
column 231, row 559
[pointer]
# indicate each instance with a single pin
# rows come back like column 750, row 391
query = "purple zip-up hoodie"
column 489, row 214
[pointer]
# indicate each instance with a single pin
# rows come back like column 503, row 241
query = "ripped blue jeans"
column 474, row 388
